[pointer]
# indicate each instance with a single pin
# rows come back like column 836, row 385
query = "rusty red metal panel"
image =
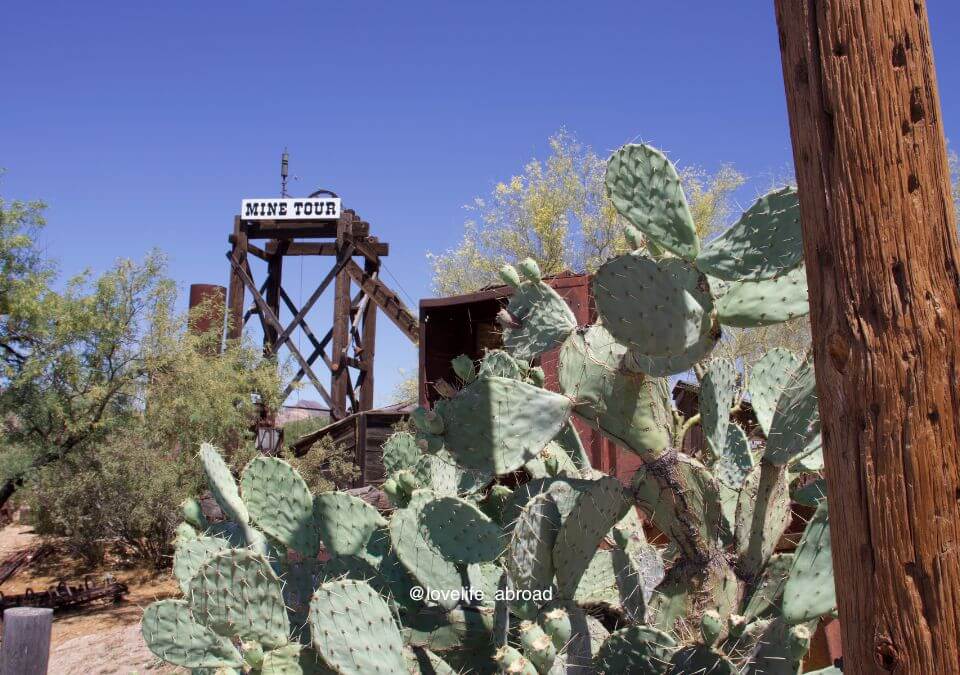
column 214, row 297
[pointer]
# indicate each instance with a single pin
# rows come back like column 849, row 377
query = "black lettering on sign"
column 331, row 208
column 297, row 207
column 251, row 210
column 283, row 208
column 272, row 209
column 308, row 209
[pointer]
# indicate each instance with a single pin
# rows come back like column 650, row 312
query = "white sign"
column 302, row 208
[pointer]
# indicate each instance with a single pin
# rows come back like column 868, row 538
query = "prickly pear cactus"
column 501, row 535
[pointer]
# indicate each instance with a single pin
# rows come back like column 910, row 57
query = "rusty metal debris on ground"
column 12, row 564
column 63, row 595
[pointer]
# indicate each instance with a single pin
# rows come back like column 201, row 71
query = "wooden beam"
column 274, row 276
column 237, row 255
column 368, row 342
column 329, row 248
column 386, row 300
column 883, row 265
column 340, row 377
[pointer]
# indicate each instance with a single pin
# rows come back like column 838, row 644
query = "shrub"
column 120, row 496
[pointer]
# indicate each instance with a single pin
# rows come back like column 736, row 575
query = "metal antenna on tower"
column 284, row 170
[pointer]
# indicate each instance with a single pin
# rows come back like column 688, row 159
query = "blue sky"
column 144, row 124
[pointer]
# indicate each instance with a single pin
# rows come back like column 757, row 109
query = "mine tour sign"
column 302, row 208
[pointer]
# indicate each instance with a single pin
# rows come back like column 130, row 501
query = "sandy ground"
column 100, row 638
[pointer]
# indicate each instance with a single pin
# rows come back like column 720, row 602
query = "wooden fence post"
column 883, row 266
column 26, row 641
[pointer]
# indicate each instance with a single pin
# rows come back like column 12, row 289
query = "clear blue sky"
column 144, row 124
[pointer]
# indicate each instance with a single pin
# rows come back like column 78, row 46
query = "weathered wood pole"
column 26, row 641
column 882, row 263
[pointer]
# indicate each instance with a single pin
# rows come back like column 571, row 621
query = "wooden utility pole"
column 883, row 267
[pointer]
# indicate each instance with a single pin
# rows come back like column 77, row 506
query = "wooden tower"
column 316, row 226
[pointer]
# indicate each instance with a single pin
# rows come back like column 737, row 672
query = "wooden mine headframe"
column 349, row 345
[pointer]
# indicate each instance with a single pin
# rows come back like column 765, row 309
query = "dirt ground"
column 102, row 638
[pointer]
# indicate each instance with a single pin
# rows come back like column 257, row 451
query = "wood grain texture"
column 882, row 263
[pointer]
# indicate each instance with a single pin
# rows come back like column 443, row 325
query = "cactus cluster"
column 505, row 551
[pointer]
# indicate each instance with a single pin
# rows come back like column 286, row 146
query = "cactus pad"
column 460, row 531
column 598, row 509
column 717, row 391
column 768, row 378
column 809, row 592
column 497, row 424
column 400, row 451
column 638, row 649
column 541, row 320
column 764, row 243
column 627, row 406
column 172, row 633
column 657, row 308
column 700, row 659
column 761, row 303
column 345, row 522
column 795, row 428
column 529, row 558
column 280, row 503
column 763, row 513
column 767, row 592
column 236, row 593
column 191, row 554
column 222, row 485
column 353, row 629
column 418, row 555
column 645, row 188
column 662, row 366
column 736, row 461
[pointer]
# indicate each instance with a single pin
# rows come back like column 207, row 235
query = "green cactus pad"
column 509, row 660
column 282, row 661
column 345, row 522
column 541, row 320
column 638, row 569
column 763, row 514
column 172, row 633
column 537, row 646
column 465, row 368
column 529, row 558
column 193, row 514
column 774, row 654
column 280, row 504
column 810, row 592
column 811, row 494
column 681, row 497
column 222, row 485
column 419, row 556
column 767, row 592
column 663, row 366
column 353, row 629
column 598, row 509
column 498, row 363
column 768, row 378
column 717, row 391
column 762, row 303
column 657, row 308
column 236, row 593
column 736, row 461
column 400, row 451
column 700, row 659
column 627, row 406
column 645, row 188
column 638, row 649
column 497, row 425
column 795, row 429
column 764, row 243
column 598, row 583
column 460, row 531
column 191, row 554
